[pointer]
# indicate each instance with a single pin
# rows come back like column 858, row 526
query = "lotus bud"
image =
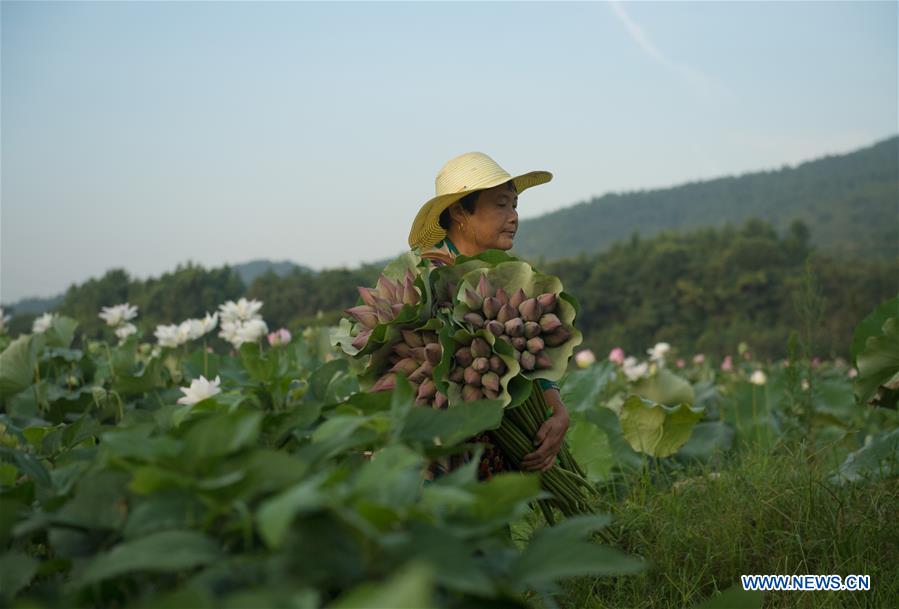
column 361, row 339
column 386, row 288
column 470, row 393
column 393, row 359
column 484, row 287
column 556, row 338
column 406, row 365
column 480, row 348
column 410, row 293
column 440, row 401
column 505, row 338
column 368, row 295
column 490, row 380
column 474, row 319
column 384, row 310
column 421, row 401
column 427, row 389
column 385, row 383
column 424, row 371
column 491, row 307
column 472, row 300
column 506, row 313
column 535, row 345
column 472, row 377
column 497, row 365
column 520, row 343
column 451, row 289
column 412, row 338
column 517, row 298
column 530, row 310
column 481, row 364
column 528, row 361
column 464, row 356
column 517, row 355
column 542, row 361
column 490, row 394
column 496, row 328
column 548, row 301
column 531, row 329
column 402, row 349
column 396, row 308
column 365, row 315
column 419, row 354
column 549, row 323
column 433, row 352
column 457, row 375
column 502, row 297
column 429, row 337
column 514, row 327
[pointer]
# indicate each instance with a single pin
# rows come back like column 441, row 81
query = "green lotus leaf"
column 878, row 366
column 464, row 337
column 655, row 429
column 872, row 325
column 665, row 387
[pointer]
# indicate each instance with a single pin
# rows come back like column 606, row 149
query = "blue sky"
column 141, row 135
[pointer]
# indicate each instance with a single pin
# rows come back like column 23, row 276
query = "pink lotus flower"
column 616, row 356
column 279, row 337
column 698, row 358
column 727, row 364
column 680, row 363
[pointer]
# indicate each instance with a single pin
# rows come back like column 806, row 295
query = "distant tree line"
column 702, row 291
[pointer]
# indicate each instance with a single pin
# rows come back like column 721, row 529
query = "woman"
column 475, row 210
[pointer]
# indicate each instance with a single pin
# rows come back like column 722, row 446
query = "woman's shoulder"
column 440, row 254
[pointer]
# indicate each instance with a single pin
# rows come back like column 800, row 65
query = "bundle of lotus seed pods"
column 485, row 327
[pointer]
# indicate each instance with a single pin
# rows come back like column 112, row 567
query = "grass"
column 760, row 513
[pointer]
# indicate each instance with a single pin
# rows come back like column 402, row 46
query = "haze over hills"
column 850, row 203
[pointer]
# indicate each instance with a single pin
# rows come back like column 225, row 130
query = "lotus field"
column 217, row 462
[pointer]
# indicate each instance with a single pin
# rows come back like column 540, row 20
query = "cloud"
column 699, row 80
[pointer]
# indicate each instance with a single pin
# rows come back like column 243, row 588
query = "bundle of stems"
column 566, row 481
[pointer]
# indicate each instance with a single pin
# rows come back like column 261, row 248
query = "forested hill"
column 849, row 202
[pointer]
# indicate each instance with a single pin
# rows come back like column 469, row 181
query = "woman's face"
column 495, row 219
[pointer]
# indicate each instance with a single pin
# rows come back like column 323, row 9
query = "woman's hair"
column 468, row 203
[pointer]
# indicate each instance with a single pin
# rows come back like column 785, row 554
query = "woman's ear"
column 457, row 214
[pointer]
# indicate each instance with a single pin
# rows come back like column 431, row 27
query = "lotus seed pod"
column 530, row 310
column 490, row 380
column 484, row 287
column 421, row 373
column 481, row 364
column 535, row 345
column 502, row 297
column 440, row 401
column 549, row 323
column 429, row 337
column 556, row 338
column 520, row 343
column 517, row 298
column 433, row 352
column 491, row 307
column 419, row 354
column 472, row 377
column 514, row 327
column 402, row 349
column 464, row 356
column 385, row 383
column 496, row 328
column 490, row 394
column 475, row 319
column 457, row 375
column 506, row 313
column 470, row 393
column 531, row 329
column 427, row 389
column 480, row 348
column 497, row 365
column 543, row 362
column 528, row 361
column 472, row 300
column 406, row 365
column 413, row 339
column 548, row 302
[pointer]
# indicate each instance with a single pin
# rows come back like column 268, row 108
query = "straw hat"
column 460, row 176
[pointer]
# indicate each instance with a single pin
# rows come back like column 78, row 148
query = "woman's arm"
column 550, row 436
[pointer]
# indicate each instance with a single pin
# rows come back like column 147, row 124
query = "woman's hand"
column 549, row 437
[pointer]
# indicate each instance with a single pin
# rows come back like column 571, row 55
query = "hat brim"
column 426, row 229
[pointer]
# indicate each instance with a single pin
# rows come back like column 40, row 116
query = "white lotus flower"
column 125, row 330
column 585, row 358
column 190, row 329
column 242, row 310
column 169, row 336
column 199, row 390
column 758, row 378
column 118, row 314
column 4, row 319
column 209, row 322
column 659, row 351
column 240, row 332
column 632, row 370
column 42, row 323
